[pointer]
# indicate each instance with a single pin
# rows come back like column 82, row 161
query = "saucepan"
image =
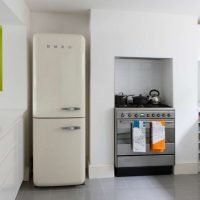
column 140, row 100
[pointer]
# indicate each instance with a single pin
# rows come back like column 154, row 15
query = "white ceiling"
column 191, row 7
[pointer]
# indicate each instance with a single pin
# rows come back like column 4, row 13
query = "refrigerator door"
column 58, row 76
column 59, row 152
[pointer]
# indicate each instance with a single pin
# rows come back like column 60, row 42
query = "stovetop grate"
column 143, row 106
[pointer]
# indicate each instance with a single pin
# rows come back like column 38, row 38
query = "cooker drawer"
column 142, row 161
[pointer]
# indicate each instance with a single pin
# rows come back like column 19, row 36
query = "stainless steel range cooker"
column 128, row 162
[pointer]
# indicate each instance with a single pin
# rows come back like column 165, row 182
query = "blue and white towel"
column 139, row 136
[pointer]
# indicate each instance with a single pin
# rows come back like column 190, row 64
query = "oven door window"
column 124, row 132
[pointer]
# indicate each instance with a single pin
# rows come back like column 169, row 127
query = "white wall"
column 134, row 76
column 19, row 9
column 7, row 16
column 68, row 23
column 14, row 94
column 15, row 78
column 167, row 82
column 15, row 21
column 72, row 23
column 137, row 34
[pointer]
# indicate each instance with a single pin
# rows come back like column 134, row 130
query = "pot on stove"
column 140, row 100
column 120, row 100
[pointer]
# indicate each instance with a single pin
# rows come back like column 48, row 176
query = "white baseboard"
column 107, row 171
column 101, row 171
column 186, row 168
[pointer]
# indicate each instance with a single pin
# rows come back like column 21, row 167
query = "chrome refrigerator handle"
column 71, row 108
column 71, row 128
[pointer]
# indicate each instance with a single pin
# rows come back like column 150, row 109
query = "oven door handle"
column 159, row 120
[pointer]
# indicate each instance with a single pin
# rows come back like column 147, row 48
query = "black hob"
column 149, row 105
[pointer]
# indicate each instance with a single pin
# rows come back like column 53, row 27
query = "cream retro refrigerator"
column 58, row 109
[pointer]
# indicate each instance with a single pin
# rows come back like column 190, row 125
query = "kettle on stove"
column 154, row 96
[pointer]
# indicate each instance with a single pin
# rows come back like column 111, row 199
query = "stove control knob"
column 136, row 115
column 148, row 115
column 129, row 114
column 158, row 115
column 122, row 115
column 153, row 115
column 168, row 115
column 163, row 115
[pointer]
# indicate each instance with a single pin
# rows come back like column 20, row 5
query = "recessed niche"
column 134, row 76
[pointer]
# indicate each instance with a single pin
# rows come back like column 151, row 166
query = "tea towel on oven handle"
column 158, row 143
column 138, row 136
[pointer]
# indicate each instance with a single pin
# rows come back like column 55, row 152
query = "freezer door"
column 58, row 152
column 58, row 75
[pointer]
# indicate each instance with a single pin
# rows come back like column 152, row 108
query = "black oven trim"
column 143, row 171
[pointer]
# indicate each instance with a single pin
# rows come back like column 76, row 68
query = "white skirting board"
column 186, row 168
column 101, row 171
column 107, row 171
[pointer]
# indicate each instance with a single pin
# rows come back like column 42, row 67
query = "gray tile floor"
column 168, row 187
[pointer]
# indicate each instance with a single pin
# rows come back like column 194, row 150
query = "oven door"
column 123, row 138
